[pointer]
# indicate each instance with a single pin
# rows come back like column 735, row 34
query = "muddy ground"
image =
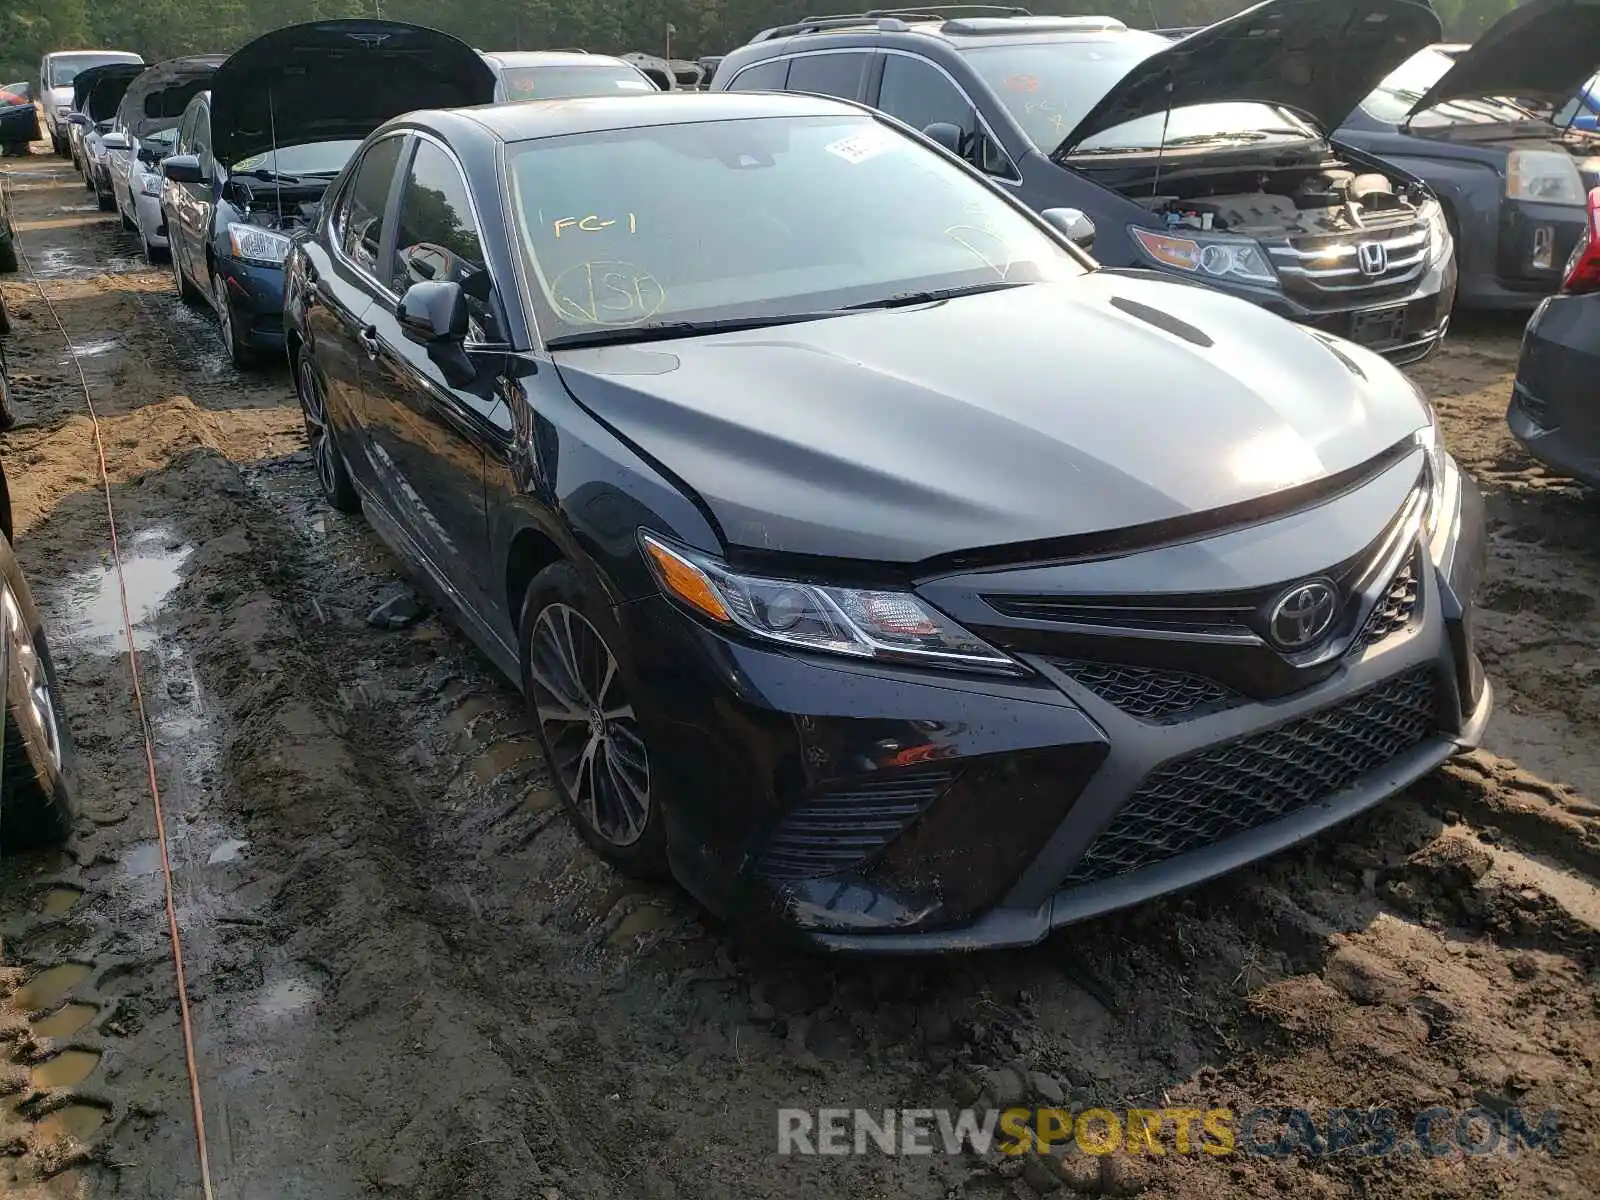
column 410, row 980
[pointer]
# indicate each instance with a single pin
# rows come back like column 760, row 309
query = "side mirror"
column 115, row 141
column 434, row 315
column 947, row 135
column 182, row 168
column 1072, row 222
column 77, row 119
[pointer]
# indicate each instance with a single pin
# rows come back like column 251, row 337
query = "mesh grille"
column 1395, row 610
column 1151, row 694
column 1192, row 802
column 840, row 829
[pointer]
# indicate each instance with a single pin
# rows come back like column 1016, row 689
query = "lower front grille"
column 1196, row 801
column 1150, row 694
column 1395, row 609
column 838, row 830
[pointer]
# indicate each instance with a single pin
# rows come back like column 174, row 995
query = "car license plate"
column 1378, row 326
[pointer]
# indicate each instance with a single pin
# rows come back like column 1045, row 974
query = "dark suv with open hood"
column 1206, row 158
column 254, row 154
column 1497, row 132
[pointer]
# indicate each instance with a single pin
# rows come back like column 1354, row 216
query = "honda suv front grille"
column 1340, row 264
column 1195, row 801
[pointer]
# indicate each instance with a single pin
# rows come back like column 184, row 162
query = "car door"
column 435, row 436
column 341, row 286
column 175, row 197
column 199, row 201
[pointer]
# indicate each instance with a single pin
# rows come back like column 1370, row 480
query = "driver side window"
column 436, row 238
column 202, row 138
column 919, row 94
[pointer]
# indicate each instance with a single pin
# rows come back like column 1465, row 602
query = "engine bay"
column 1293, row 204
column 282, row 209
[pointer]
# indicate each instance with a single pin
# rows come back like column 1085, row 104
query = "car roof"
column 592, row 114
column 108, row 55
column 547, row 58
column 957, row 32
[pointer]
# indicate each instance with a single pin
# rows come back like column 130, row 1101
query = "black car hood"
column 328, row 81
column 1318, row 58
column 157, row 98
column 115, row 76
column 1016, row 416
column 1545, row 50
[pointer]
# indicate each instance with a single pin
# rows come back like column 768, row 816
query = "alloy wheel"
column 594, row 737
column 35, row 709
column 224, row 318
column 315, row 413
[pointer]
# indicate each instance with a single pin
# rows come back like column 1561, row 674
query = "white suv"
column 56, row 73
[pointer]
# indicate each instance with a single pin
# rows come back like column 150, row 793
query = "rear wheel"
column 107, row 202
column 582, row 691
column 8, row 253
column 333, row 477
column 35, row 800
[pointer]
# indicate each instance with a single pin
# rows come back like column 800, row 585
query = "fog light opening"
column 1544, row 247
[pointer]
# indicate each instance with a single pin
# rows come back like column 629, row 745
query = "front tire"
column 240, row 352
column 36, row 806
column 582, row 689
column 187, row 292
column 333, row 476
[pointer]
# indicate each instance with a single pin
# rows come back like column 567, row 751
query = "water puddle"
column 150, row 571
column 647, row 918
column 65, row 1021
column 289, row 996
column 143, row 858
column 501, row 758
column 58, row 901
column 78, row 1121
column 95, row 349
column 227, row 852
column 65, row 1070
column 55, row 263
column 50, row 987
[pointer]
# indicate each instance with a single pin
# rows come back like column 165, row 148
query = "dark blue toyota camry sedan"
column 871, row 559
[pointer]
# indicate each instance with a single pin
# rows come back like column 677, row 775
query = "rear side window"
column 361, row 225
column 837, row 74
column 763, row 77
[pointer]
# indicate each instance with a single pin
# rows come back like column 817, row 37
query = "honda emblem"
column 1373, row 257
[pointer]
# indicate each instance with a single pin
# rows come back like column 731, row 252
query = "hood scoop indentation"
column 1163, row 321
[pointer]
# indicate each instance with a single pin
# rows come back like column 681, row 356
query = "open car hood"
column 1544, row 50
column 157, row 98
column 1318, row 58
column 116, row 77
column 328, row 81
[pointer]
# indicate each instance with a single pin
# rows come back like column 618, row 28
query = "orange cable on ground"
column 149, row 744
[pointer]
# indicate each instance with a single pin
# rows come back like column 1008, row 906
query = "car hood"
column 328, row 81
column 104, row 85
column 157, row 98
column 1544, row 50
column 1017, row 416
column 1319, row 58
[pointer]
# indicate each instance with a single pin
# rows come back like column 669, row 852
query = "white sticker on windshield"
column 636, row 85
column 859, row 147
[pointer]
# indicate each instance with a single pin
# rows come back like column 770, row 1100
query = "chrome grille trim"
column 1407, row 248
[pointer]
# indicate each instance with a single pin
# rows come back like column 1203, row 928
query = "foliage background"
column 161, row 29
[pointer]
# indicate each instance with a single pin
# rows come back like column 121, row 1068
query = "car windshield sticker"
column 635, row 85
column 859, row 147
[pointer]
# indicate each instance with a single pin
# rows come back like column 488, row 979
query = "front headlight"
column 150, row 185
column 893, row 626
column 1440, row 243
column 1439, row 472
column 1213, row 255
column 254, row 244
column 1549, row 176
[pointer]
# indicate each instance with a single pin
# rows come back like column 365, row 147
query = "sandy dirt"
column 410, row 980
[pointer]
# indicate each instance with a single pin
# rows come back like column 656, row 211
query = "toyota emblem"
column 1303, row 614
column 1373, row 257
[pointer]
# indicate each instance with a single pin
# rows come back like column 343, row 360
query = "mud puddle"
column 92, row 604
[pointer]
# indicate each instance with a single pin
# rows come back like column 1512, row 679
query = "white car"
column 143, row 133
column 56, row 73
column 561, row 75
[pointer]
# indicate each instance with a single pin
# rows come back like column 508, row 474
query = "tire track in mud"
column 412, row 980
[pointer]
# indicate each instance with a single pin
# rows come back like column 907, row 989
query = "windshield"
column 1392, row 100
column 314, row 158
column 1049, row 87
column 559, row 82
column 13, row 94
column 64, row 70
column 707, row 221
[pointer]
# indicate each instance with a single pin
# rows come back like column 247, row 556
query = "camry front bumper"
column 874, row 808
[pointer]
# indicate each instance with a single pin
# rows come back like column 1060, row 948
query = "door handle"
column 369, row 340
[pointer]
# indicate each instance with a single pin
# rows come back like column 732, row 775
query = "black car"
column 8, row 234
column 36, row 805
column 867, row 555
column 1553, row 410
column 1206, row 158
column 1494, row 131
column 254, row 153
column 19, row 119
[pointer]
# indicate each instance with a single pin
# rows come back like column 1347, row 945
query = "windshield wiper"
column 906, row 299
column 617, row 335
column 266, row 176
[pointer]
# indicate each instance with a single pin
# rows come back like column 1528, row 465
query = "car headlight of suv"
column 859, row 623
column 1549, row 176
column 1212, row 255
column 255, row 244
column 1439, row 240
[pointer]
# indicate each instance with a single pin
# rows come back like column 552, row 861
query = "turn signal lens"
column 1181, row 253
column 684, row 580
